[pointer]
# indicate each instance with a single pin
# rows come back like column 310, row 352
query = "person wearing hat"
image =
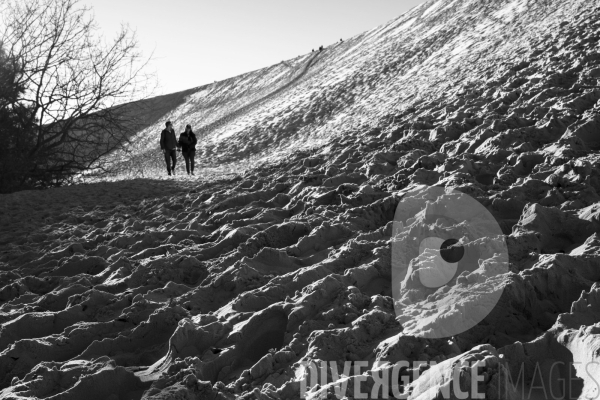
column 187, row 142
column 169, row 145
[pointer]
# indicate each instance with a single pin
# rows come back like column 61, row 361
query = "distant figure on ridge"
column 320, row 48
column 169, row 145
column 187, row 141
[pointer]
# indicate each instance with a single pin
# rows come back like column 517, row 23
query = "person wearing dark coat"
column 169, row 145
column 187, row 142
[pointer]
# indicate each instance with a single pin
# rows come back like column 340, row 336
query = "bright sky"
column 199, row 41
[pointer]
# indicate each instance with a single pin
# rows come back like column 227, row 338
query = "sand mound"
column 223, row 288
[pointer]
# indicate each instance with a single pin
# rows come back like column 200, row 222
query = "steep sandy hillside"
column 223, row 288
column 350, row 86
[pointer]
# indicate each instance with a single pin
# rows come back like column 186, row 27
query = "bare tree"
column 77, row 85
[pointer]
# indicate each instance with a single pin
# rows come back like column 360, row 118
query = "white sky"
column 198, row 42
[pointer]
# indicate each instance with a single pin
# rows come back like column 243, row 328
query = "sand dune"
column 221, row 287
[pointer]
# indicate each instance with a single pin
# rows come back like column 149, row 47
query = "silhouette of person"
column 169, row 145
column 187, row 142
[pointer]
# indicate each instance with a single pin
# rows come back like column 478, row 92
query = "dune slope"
column 221, row 288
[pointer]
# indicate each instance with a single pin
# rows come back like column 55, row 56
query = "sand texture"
column 219, row 287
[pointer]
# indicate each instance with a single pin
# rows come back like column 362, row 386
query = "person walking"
column 169, row 145
column 187, row 142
